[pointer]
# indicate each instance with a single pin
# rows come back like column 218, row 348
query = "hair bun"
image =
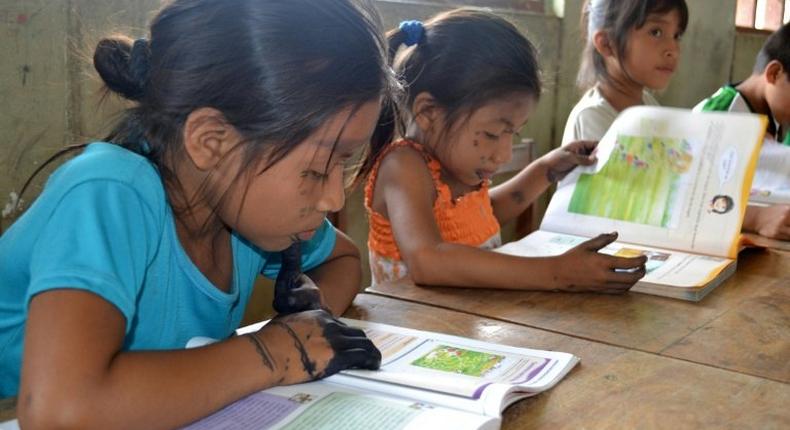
column 123, row 65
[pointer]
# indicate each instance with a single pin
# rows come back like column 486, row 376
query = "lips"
column 485, row 175
column 306, row 235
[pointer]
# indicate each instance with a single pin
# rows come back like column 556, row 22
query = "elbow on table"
column 424, row 267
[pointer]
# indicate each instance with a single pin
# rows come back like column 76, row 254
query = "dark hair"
column 728, row 203
column 464, row 58
column 776, row 47
column 276, row 69
column 617, row 19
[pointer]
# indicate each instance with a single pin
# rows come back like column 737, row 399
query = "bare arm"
column 75, row 375
column 769, row 221
column 511, row 198
column 407, row 201
column 340, row 276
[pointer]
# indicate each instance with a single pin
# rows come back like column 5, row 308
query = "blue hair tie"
column 414, row 31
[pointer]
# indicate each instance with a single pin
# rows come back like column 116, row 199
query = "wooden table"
column 612, row 387
column 743, row 325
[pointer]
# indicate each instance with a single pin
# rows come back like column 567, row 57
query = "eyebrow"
column 507, row 122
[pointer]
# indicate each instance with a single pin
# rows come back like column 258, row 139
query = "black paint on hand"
column 294, row 291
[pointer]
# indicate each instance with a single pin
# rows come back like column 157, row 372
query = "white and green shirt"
column 729, row 99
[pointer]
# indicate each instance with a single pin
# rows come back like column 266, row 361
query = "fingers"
column 354, row 358
column 627, row 278
column 582, row 147
column 625, row 263
column 583, row 152
column 344, row 343
column 585, row 160
column 365, row 358
column 292, row 254
column 295, row 292
column 597, row 243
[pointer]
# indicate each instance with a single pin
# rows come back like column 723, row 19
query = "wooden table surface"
column 743, row 325
column 612, row 387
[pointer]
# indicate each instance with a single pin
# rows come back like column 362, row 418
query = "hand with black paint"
column 564, row 159
column 311, row 345
column 293, row 290
column 592, row 271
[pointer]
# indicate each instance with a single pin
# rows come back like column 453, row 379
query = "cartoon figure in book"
column 721, row 204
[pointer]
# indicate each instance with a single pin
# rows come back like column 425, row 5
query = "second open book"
column 426, row 380
column 674, row 184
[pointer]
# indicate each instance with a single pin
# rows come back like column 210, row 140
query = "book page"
column 668, row 178
column 668, row 267
column 323, row 406
column 457, row 366
column 450, row 371
column 772, row 179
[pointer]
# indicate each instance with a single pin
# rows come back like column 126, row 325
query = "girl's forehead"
column 510, row 109
column 671, row 16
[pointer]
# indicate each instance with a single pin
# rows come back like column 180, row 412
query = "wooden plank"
column 752, row 337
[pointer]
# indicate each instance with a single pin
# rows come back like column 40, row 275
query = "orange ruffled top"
column 467, row 220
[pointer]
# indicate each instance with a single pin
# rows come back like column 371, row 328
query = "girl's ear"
column 425, row 111
column 773, row 71
column 602, row 44
column 208, row 137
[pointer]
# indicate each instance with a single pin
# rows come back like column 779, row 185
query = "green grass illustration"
column 639, row 183
column 457, row 360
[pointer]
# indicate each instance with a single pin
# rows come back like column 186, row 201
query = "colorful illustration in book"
column 458, row 360
column 641, row 182
column 655, row 259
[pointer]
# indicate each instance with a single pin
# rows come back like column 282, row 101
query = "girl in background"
column 473, row 81
column 633, row 46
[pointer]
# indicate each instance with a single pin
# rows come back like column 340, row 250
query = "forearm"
column 340, row 280
column 511, row 198
column 152, row 389
column 750, row 219
column 456, row 265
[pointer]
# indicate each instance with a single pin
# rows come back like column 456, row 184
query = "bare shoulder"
column 404, row 165
column 403, row 174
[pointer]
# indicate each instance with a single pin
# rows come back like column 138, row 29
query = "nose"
column 503, row 152
column 333, row 193
column 673, row 50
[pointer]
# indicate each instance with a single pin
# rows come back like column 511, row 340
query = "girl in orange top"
column 473, row 81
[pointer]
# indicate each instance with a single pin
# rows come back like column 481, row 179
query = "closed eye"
column 313, row 174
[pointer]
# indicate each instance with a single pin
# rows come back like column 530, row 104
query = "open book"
column 674, row 184
column 427, row 380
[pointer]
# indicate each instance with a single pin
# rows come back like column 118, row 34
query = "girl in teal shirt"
column 245, row 113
